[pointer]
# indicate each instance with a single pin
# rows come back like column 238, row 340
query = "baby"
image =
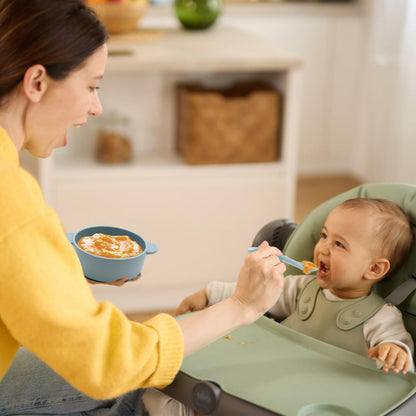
column 362, row 242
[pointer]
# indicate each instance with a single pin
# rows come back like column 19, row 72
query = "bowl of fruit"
column 119, row 16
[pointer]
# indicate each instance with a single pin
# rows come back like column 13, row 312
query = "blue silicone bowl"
column 104, row 269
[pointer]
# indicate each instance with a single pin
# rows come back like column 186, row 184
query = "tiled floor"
column 312, row 191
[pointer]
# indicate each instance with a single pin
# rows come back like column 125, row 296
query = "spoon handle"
column 286, row 260
column 294, row 263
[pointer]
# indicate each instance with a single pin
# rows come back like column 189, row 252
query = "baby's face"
column 345, row 252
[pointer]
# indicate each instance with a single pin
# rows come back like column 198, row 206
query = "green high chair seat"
column 302, row 241
column 268, row 369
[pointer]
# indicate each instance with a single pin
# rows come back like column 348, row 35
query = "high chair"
column 268, row 369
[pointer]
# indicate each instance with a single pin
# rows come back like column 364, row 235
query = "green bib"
column 336, row 322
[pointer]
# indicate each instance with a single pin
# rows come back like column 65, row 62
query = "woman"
column 52, row 57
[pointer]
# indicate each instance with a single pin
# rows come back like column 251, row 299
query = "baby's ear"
column 378, row 269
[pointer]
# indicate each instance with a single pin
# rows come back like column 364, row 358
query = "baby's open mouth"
column 323, row 269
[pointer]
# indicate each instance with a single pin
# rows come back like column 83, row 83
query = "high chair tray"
column 287, row 373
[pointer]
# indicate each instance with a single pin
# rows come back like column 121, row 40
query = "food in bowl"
column 112, row 246
column 108, row 269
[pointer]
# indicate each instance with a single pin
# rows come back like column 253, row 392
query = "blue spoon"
column 284, row 259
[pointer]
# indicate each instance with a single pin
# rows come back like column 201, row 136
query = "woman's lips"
column 66, row 134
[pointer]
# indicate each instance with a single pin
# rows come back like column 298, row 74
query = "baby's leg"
column 157, row 403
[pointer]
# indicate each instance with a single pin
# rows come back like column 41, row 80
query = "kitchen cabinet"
column 203, row 218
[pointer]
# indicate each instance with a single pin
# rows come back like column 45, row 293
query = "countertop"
column 176, row 50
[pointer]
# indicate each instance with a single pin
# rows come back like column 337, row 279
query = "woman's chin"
column 61, row 143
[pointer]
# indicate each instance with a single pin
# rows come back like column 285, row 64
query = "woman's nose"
column 96, row 107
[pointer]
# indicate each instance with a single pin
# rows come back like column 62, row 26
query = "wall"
column 387, row 123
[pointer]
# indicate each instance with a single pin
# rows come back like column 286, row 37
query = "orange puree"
column 309, row 266
column 114, row 246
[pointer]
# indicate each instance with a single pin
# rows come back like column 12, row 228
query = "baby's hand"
column 192, row 303
column 392, row 356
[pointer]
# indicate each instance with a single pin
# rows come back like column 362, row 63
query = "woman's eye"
column 93, row 89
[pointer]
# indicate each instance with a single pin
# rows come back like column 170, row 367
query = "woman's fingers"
column 261, row 279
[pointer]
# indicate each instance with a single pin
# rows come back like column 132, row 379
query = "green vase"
column 198, row 14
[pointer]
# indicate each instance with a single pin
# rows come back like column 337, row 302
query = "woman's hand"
column 192, row 303
column 260, row 281
column 119, row 282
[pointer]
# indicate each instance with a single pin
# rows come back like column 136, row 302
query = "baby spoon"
column 305, row 266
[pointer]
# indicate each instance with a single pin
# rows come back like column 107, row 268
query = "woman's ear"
column 378, row 269
column 35, row 82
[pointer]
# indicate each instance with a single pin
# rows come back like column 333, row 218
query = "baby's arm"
column 388, row 339
column 392, row 356
column 215, row 292
column 194, row 302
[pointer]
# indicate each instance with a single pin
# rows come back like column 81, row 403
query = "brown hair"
column 393, row 228
column 58, row 34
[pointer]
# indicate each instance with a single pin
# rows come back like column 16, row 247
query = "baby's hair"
column 394, row 229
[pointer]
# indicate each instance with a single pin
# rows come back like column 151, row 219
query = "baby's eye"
column 339, row 244
column 324, row 236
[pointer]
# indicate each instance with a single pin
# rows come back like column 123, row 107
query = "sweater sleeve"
column 48, row 307
column 218, row 291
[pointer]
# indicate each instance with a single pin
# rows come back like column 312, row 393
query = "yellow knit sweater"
column 47, row 306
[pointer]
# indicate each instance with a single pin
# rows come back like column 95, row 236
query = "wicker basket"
column 120, row 17
column 233, row 125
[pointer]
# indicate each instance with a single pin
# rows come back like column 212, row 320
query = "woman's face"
column 65, row 103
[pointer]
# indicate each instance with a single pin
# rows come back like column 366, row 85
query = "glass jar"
column 112, row 143
column 198, row 14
